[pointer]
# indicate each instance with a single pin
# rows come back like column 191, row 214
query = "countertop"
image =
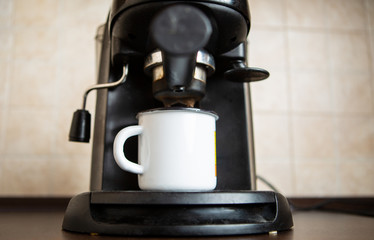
column 46, row 224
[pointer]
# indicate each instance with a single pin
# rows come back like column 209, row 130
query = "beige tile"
column 25, row 176
column 2, row 130
column 267, row 49
column 279, row 174
column 307, row 50
column 372, row 52
column 369, row 4
column 35, row 12
column 371, row 43
column 355, row 136
column 35, row 43
column 346, row 14
column 77, row 46
column 313, row 138
column 6, row 39
column 4, row 79
column 349, row 51
column 33, row 84
column 29, row 132
column 352, row 92
column 4, row 69
column 73, row 80
column 76, row 71
column 356, row 178
column 267, row 12
column 84, row 13
column 316, row 179
column 311, row 91
column 271, row 137
column 271, row 94
column 6, row 12
column 305, row 13
column 65, row 147
column 71, row 175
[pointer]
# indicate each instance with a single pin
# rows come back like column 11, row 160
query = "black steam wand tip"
column 80, row 126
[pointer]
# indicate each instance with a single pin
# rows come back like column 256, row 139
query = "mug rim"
column 178, row 109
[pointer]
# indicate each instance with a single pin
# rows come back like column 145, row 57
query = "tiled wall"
column 47, row 60
column 314, row 117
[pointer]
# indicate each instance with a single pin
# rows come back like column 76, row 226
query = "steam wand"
column 80, row 129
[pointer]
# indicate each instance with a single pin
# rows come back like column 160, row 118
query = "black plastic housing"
column 229, row 19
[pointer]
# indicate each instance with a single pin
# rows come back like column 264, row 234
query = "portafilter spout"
column 180, row 31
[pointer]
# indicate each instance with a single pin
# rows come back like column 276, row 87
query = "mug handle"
column 118, row 153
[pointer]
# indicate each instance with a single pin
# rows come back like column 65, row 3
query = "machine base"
column 143, row 213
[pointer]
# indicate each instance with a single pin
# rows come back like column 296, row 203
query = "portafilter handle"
column 239, row 72
column 80, row 129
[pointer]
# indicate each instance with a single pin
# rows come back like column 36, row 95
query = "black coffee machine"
column 174, row 54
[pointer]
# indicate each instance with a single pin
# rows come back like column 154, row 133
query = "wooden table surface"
column 46, row 225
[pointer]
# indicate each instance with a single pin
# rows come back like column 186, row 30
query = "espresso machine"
column 172, row 54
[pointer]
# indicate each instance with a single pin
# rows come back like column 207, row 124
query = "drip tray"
column 142, row 213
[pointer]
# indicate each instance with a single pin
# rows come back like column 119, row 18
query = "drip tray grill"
column 141, row 213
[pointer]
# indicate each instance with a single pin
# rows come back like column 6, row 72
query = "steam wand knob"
column 80, row 129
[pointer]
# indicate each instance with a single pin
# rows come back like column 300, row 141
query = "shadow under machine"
column 174, row 54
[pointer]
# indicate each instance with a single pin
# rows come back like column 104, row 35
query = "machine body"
column 125, row 42
column 176, row 53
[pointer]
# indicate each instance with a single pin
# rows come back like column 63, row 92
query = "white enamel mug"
column 176, row 149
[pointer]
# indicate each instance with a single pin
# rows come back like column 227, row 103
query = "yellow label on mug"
column 215, row 151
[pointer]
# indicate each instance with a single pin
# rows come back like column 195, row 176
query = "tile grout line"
column 334, row 114
column 285, row 29
column 370, row 40
column 55, row 111
column 6, row 103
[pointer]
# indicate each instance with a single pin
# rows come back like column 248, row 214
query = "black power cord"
column 358, row 205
